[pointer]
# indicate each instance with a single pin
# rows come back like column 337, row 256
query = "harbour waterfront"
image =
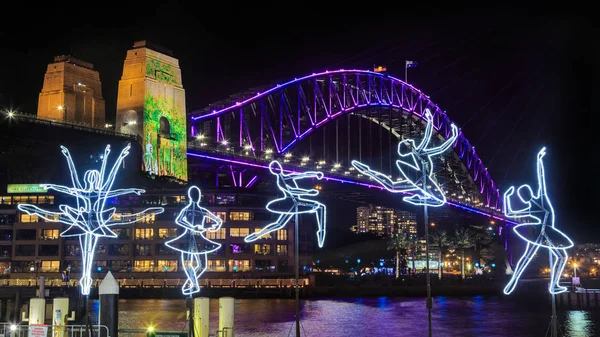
column 378, row 316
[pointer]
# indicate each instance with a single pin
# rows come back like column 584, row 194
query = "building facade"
column 30, row 247
column 151, row 105
column 72, row 93
column 384, row 221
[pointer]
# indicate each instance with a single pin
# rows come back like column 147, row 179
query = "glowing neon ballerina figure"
column 194, row 259
column 413, row 160
column 293, row 202
column 540, row 231
column 90, row 219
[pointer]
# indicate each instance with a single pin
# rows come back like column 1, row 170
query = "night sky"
column 514, row 79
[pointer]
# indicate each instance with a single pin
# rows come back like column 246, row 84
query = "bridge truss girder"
column 266, row 126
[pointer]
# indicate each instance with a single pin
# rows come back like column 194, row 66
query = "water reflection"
column 382, row 316
column 578, row 323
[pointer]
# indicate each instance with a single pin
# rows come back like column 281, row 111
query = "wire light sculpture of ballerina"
column 90, row 219
column 539, row 232
column 195, row 220
column 293, row 202
column 415, row 160
column 416, row 167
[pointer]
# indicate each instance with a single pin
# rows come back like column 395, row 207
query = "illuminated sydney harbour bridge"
column 325, row 120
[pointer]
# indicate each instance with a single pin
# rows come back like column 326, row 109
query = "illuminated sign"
column 539, row 231
column 25, row 188
column 90, row 219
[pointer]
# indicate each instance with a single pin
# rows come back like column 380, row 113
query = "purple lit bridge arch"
column 252, row 128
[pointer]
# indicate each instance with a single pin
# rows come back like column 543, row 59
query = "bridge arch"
column 268, row 123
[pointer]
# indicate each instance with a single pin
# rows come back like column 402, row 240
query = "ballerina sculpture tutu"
column 413, row 160
column 194, row 258
column 90, row 219
column 294, row 201
column 540, row 231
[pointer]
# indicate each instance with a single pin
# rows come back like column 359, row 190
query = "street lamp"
column 63, row 109
column 574, row 269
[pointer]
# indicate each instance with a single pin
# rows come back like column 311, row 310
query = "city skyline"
column 531, row 62
column 247, row 131
column 384, row 221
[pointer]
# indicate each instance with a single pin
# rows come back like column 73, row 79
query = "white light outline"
column 544, row 206
column 418, row 155
column 197, row 267
column 291, row 191
column 90, row 220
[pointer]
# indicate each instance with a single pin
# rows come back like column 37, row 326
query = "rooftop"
column 73, row 60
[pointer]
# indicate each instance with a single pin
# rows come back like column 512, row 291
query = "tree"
column 413, row 249
column 442, row 240
column 399, row 242
column 463, row 238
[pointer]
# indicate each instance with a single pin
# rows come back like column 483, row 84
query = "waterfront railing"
column 165, row 283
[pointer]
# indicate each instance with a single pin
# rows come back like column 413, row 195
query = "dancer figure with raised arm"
column 539, row 231
column 195, row 220
column 293, row 201
column 90, row 219
column 416, row 167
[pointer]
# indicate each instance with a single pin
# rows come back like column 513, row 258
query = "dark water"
column 383, row 316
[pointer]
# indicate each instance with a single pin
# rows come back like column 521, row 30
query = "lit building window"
column 167, row 233
column 239, row 232
column 216, row 265
column 221, row 215
column 29, row 218
column 282, row 250
column 143, row 265
column 50, row 234
column 50, row 266
column 266, row 236
column 46, row 199
column 262, row 249
column 166, row 265
column 144, row 233
column 239, row 216
column 146, row 219
column 119, row 216
column 24, row 199
column 218, row 235
column 282, row 234
column 239, row 265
